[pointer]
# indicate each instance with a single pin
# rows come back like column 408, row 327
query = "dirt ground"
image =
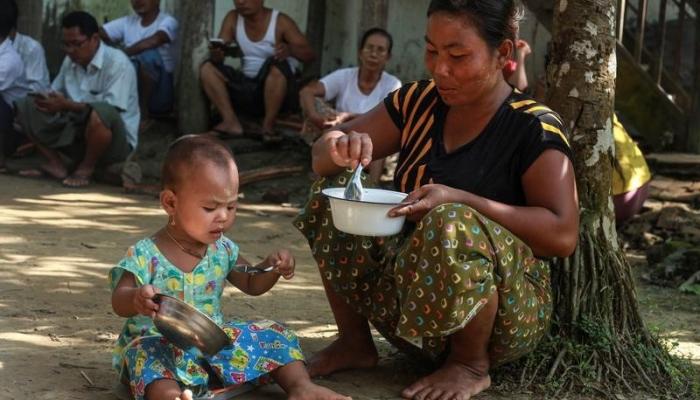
column 56, row 323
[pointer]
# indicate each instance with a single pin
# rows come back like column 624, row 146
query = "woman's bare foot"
column 186, row 395
column 453, row 380
column 312, row 391
column 343, row 354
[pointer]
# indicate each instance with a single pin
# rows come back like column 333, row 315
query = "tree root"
column 598, row 343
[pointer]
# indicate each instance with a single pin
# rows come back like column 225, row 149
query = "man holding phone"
column 91, row 114
column 271, row 46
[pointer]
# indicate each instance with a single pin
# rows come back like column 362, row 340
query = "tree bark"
column 30, row 17
column 374, row 14
column 196, row 20
column 598, row 340
column 315, row 28
column 581, row 79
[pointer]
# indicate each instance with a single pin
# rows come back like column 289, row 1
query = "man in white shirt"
column 32, row 53
column 13, row 86
column 92, row 113
column 148, row 38
column 36, row 73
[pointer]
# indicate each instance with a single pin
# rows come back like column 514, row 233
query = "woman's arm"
column 307, row 99
column 549, row 222
column 372, row 135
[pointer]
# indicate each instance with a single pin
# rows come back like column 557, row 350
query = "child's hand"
column 283, row 261
column 143, row 300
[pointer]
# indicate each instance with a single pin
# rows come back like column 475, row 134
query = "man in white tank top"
column 271, row 45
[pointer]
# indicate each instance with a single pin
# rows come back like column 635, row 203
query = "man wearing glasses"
column 91, row 115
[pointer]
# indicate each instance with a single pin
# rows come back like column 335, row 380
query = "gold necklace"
column 183, row 248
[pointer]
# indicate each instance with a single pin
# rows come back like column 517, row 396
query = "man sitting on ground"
column 148, row 38
column 13, row 85
column 270, row 43
column 92, row 114
column 36, row 73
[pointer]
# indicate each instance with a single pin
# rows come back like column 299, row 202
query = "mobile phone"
column 37, row 94
column 217, row 42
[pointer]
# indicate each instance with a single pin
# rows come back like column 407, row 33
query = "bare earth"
column 56, row 323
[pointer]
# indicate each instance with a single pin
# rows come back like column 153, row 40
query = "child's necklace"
column 183, row 248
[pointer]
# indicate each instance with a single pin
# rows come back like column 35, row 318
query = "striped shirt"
column 492, row 164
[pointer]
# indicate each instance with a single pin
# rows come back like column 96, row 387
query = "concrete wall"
column 538, row 37
column 296, row 9
column 406, row 22
column 341, row 34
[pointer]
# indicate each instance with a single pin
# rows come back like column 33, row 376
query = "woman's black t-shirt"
column 492, row 164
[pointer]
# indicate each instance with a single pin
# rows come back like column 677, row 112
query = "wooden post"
column 30, row 17
column 679, row 39
column 641, row 20
column 621, row 6
column 315, row 28
column 662, row 43
column 374, row 14
column 693, row 142
column 196, row 19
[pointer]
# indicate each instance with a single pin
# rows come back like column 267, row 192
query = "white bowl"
column 367, row 217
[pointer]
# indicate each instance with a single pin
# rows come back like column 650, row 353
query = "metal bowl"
column 187, row 327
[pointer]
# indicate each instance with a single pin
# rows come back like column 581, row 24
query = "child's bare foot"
column 453, row 380
column 312, row 391
column 186, row 395
column 343, row 354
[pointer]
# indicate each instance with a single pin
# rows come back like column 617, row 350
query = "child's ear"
column 168, row 200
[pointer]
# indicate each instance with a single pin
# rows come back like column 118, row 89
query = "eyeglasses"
column 380, row 51
column 74, row 45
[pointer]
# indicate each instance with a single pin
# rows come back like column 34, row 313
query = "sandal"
column 77, row 181
column 271, row 137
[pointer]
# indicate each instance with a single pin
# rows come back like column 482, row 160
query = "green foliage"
column 690, row 288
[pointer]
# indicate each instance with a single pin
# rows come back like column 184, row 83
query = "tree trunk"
column 30, row 17
column 196, row 20
column 315, row 28
column 374, row 14
column 599, row 341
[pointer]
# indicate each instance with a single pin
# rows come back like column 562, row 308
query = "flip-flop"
column 271, row 137
column 83, row 181
column 222, row 134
